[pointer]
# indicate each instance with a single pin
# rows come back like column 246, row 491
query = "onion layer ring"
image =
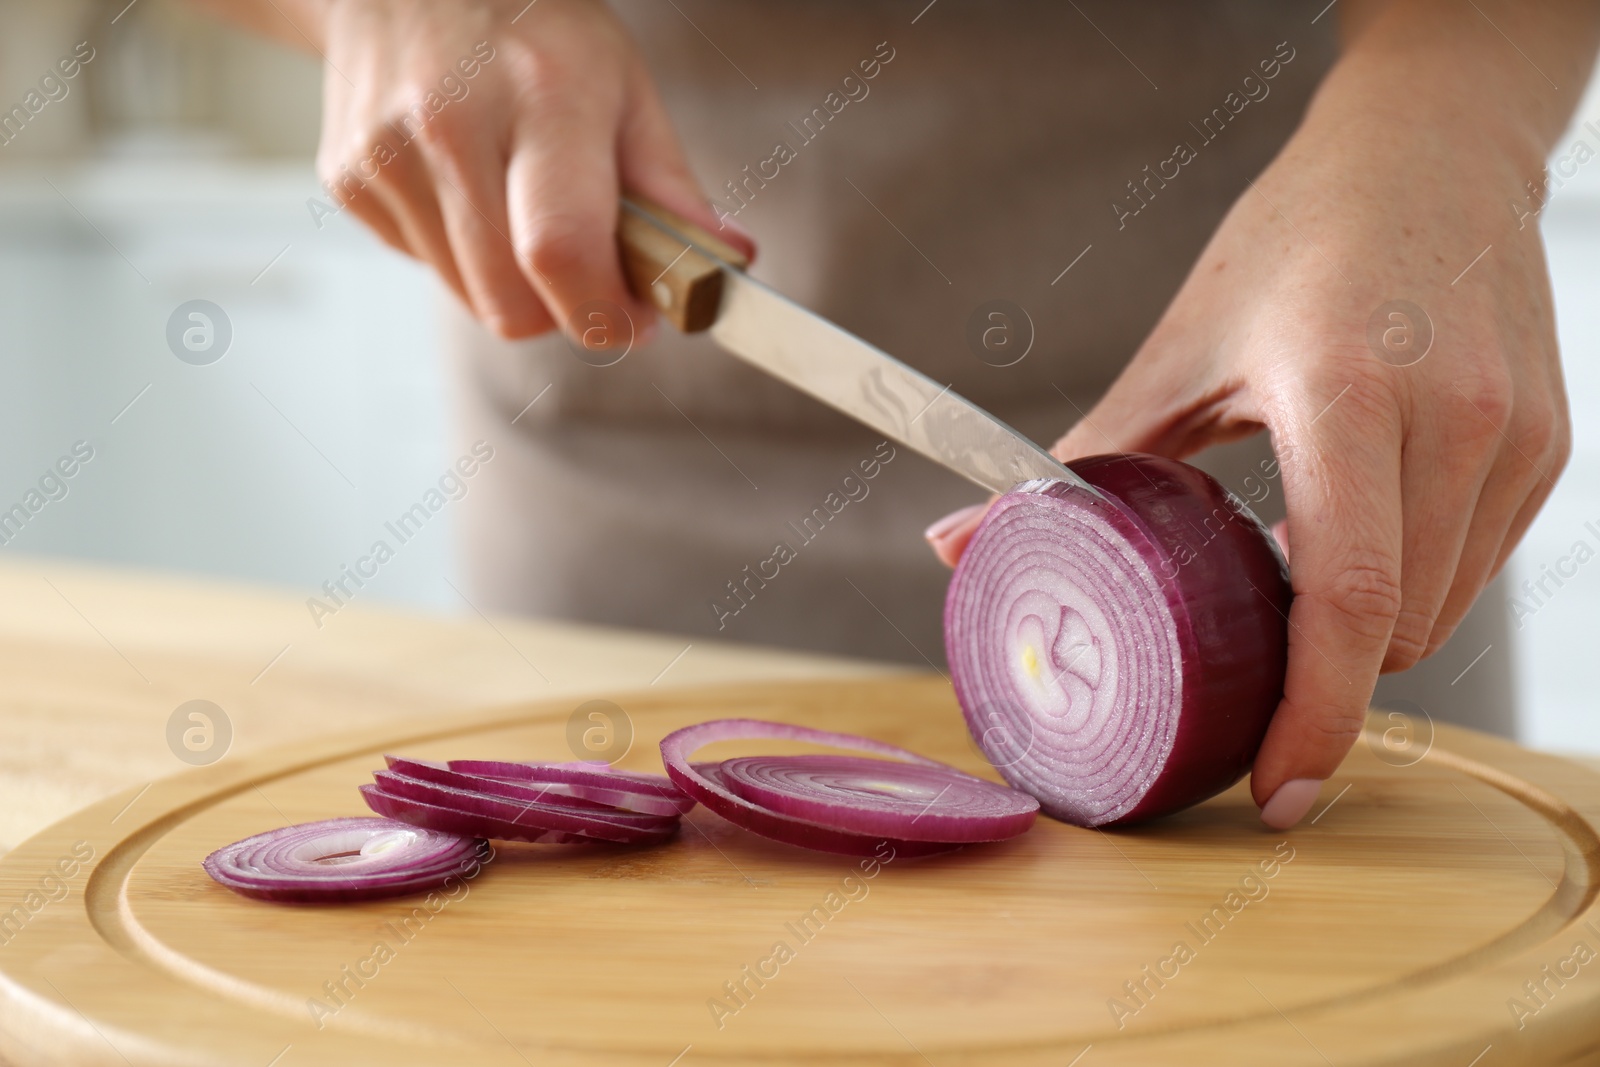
column 890, row 798
column 650, row 794
column 851, row 836
column 358, row 858
column 485, row 815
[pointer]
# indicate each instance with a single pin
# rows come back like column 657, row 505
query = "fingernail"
column 951, row 521
column 648, row 332
column 1290, row 803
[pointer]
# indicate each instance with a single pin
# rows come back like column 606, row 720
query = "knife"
column 699, row 282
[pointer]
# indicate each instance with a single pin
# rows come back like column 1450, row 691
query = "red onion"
column 511, row 789
column 452, row 820
column 1119, row 657
column 359, row 858
column 908, row 801
column 649, row 794
column 843, row 804
column 487, row 815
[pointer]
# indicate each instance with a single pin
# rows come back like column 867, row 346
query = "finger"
column 470, row 187
column 563, row 201
column 1549, row 445
column 1342, row 483
column 1523, row 476
column 651, row 162
column 950, row 536
column 376, row 217
column 1280, row 534
column 1540, row 491
column 348, row 189
column 1554, row 433
column 405, row 191
column 1441, row 483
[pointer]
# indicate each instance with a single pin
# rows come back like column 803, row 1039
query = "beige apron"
column 1017, row 152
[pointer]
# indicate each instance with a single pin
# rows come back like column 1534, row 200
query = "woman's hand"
column 1410, row 467
column 491, row 139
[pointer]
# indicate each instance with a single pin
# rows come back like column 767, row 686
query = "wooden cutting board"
column 1400, row 925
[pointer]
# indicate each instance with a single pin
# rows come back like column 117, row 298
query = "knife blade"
column 795, row 345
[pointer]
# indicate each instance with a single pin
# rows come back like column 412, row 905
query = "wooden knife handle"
column 665, row 267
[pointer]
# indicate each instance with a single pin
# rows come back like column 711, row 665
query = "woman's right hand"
column 492, row 138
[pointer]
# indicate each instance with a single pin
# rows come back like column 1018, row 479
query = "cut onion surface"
column 651, row 794
column 358, row 858
column 843, row 804
column 1119, row 656
column 487, row 815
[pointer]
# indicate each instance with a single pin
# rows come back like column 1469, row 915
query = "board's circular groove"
column 112, row 912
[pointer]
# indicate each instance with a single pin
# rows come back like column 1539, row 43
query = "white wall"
column 201, row 473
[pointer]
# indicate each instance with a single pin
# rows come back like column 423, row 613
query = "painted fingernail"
column 1290, row 803
column 941, row 529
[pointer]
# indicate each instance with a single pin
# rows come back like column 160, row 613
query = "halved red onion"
column 497, row 817
column 858, row 826
column 1119, row 656
column 634, row 790
column 358, row 858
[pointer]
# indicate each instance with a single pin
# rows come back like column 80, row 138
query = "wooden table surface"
column 96, row 659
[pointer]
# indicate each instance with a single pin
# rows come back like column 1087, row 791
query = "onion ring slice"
column 705, row 782
column 510, row 789
column 355, row 858
column 496, row 817
column 890, row 798
column 419, row 813
column 651, row 794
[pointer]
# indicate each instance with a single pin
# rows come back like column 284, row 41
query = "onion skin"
column 1226, row 595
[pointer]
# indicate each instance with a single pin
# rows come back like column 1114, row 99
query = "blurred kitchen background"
column 177, row 166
